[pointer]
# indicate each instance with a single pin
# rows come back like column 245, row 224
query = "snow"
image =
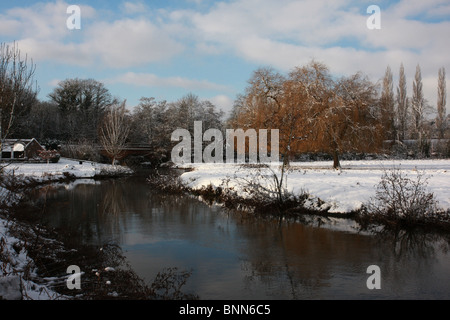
column 13, row 263
column 65, row 166
column 342, row 190
column 12, row 285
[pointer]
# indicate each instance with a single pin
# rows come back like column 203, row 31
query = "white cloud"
column 411, row 8
column 54, row 82
column 152, row 80
column 280, row 33
column 125, row 43
column 288, row 33
column 283, row 34
column 134, row 7
column 223, row 102
column 44, row 35
column 44, row 21
column 71, row 53
column 196, row 1
column 8, row 26
column 311, row 23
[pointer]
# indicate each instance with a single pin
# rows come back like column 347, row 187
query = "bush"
column 401, row 201
column 82, row 150
column 168, row 182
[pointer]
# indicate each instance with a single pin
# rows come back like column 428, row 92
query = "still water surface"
column 232, row 257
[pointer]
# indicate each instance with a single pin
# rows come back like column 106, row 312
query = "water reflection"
column 236, row 257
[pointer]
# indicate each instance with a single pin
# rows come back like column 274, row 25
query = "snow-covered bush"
column 401, row 196
column 401, row 201
column 261, row 189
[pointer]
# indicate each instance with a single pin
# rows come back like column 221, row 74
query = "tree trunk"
column 336, row 162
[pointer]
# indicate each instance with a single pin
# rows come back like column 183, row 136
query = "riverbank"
column 381, row 195
column 19, row 278
column 64, row 168
column 334, row 191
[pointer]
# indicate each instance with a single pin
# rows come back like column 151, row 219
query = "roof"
column 8, row 144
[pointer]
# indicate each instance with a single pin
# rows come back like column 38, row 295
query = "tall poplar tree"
column 387, row 102
column 418, row 104
column 441, row 102
column 402, row 104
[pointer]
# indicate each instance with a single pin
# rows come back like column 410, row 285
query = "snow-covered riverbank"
column 341, row 191
column 64, row 168
column 14, row 258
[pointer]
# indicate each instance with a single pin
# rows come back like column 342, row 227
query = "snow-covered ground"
column 341, row 190
column 12, row 263
column 53, row 171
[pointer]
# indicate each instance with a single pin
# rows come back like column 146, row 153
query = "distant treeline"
column 314, row 111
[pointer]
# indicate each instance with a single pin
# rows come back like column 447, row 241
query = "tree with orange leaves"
column 313, row 111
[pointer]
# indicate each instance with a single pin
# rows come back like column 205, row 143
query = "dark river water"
column 236, row 257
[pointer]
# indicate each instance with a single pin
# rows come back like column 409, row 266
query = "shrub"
column 49, row 155
column 401, row 201
column 167, row 182
column 82, row 150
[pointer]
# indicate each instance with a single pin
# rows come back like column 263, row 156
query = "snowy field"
column 342, row 190
column 53, row 171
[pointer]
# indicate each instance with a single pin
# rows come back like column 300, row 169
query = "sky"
column 168, row 48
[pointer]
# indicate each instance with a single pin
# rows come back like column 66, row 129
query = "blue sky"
column 168, row 48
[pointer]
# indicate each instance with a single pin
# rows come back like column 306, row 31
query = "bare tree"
column 441, row 102
column 402, row 104
column 16, row 86
column 114, row 131
column 152, row 124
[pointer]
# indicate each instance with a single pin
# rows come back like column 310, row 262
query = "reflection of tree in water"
column 88, row 216
column 98, row 213
column 111, row 208
column 416, row 243
column 289, row 260
column 295, row 258
column 304, row 262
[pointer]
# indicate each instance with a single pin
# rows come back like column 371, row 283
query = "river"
column 236, row 257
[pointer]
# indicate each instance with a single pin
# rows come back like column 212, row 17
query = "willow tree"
column 313, row 111
column 340, row 114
